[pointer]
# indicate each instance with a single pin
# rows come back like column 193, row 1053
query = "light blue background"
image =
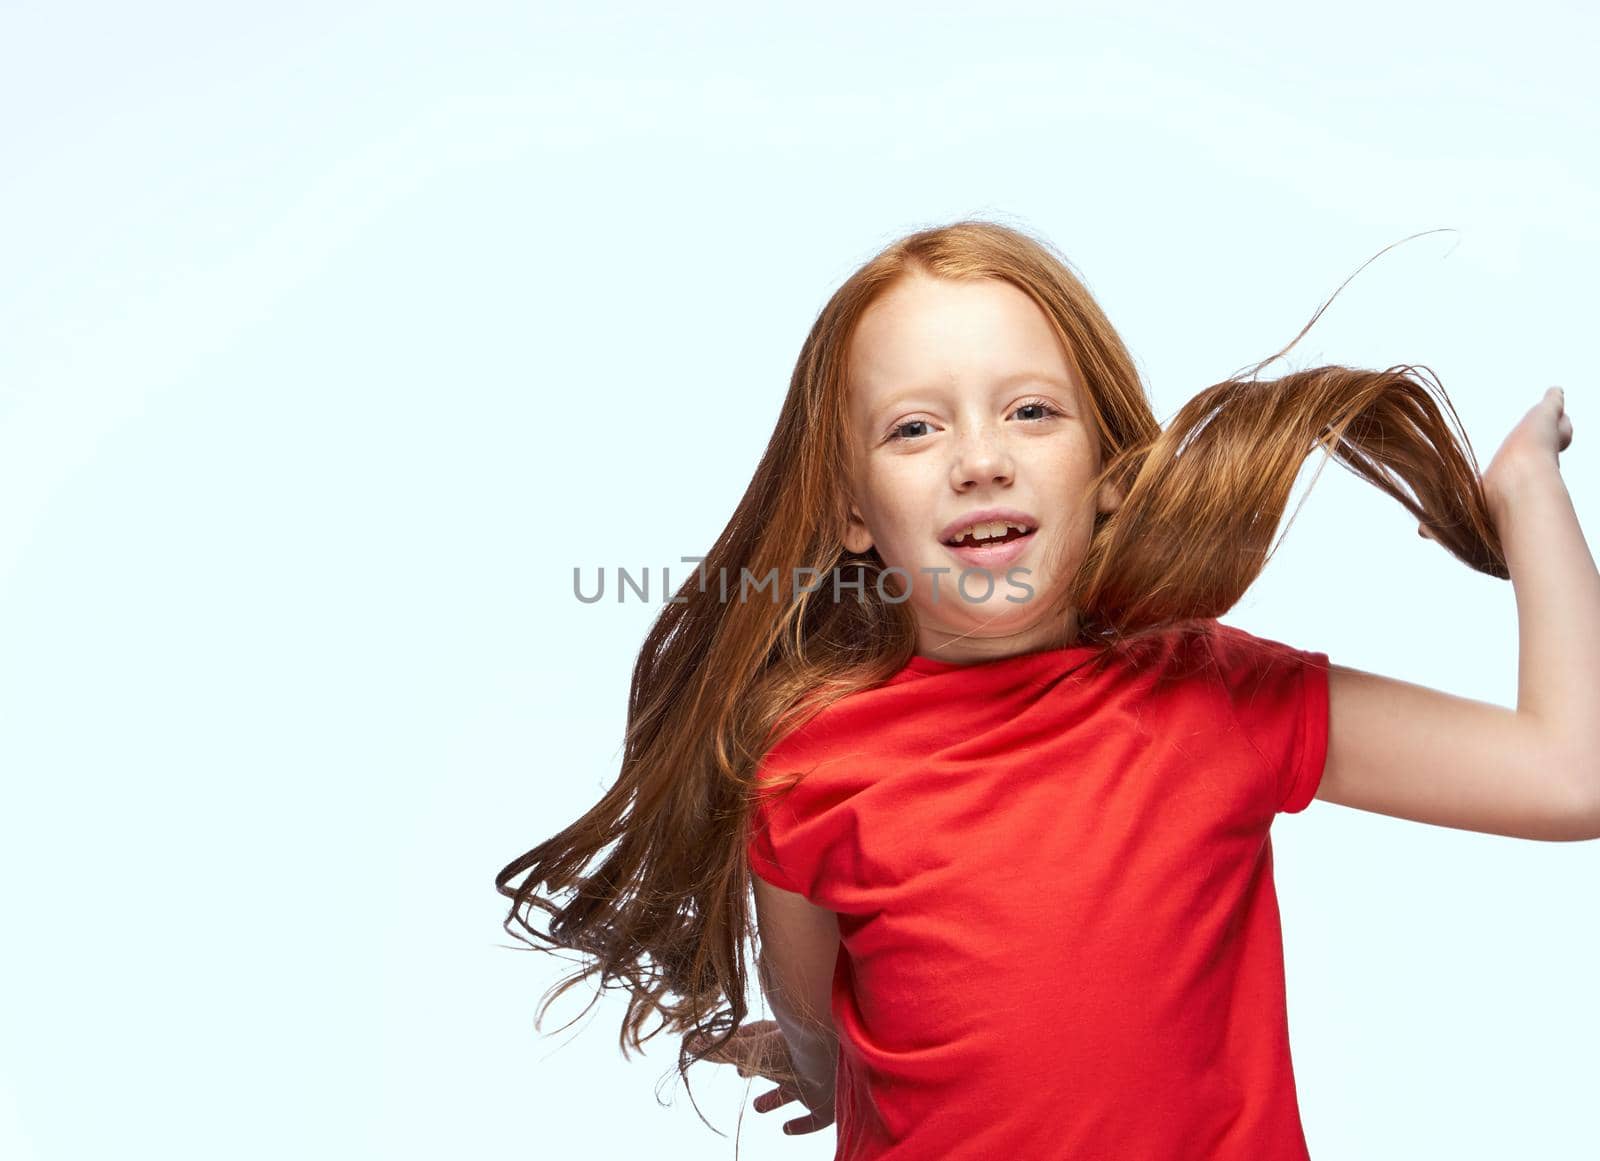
column 336, row 336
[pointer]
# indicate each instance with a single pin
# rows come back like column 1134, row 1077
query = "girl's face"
column 961, row 401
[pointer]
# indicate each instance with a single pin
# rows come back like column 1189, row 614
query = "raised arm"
column 1532, row 772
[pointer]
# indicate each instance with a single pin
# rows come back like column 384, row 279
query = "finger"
column 775, row 1099
column 809, row 1123
column 700, row 1041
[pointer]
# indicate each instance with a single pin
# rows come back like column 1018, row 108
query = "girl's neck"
column 973, row 647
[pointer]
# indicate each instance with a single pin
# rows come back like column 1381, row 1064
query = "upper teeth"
column 987, row 531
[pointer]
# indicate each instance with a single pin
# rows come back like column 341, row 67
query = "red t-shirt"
column 1060, row 934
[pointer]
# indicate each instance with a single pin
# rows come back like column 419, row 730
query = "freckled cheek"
column 909, row 541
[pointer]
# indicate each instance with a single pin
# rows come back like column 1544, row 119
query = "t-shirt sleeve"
column 770, row 814
column 1279, row 696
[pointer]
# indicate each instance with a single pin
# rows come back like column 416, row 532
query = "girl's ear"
column 1108, row 499
column 857, row 537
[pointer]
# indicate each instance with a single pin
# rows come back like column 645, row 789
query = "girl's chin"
column 1008, row 612
column 986, row 592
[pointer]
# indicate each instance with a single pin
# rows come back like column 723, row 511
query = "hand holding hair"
column 1533, row 445
column 760, row 1049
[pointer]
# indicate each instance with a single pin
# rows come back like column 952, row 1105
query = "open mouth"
column 993, row 533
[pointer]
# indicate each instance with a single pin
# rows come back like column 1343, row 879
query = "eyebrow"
column 1035, row 376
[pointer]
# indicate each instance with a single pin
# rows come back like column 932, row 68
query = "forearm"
column 812, row 1049
column 816, row 1065
column 1558, row 618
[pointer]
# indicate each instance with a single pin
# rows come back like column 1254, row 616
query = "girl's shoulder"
column 1241, row 654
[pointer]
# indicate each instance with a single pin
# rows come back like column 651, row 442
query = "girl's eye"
column 899, row 431
column 1040, row 405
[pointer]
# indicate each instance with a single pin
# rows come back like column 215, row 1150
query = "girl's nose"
column 982, row 460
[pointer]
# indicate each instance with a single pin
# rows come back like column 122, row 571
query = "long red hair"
column 651, row 886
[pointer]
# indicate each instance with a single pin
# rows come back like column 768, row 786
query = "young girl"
column 951, row 683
